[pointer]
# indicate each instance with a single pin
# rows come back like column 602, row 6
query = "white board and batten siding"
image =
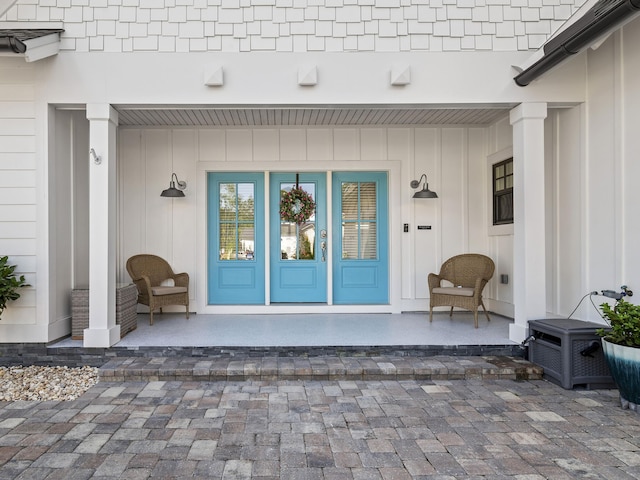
column 166, row 227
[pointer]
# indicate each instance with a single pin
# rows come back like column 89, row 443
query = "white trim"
column 42, row 47
column 266, row 239
column 31, row 25
column 329, row 225
column 297, row 308
column 393, row 169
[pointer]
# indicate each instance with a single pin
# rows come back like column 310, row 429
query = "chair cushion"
column 460, row 291
column 167, row 290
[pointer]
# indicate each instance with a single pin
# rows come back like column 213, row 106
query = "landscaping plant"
column 9, row 283
column 624, row 320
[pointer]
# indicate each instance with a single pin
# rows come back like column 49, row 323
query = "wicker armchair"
column 468, row 273
column 157, row 285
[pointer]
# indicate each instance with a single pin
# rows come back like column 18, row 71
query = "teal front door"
column 298, row 259
column 299, row 248
column 236, row 263
column 360, row 238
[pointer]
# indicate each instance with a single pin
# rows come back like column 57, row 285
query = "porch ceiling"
column 131, row 115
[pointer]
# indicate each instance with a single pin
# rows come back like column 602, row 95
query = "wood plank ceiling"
column 306, row 116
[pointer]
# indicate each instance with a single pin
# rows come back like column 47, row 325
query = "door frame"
column 400, row 206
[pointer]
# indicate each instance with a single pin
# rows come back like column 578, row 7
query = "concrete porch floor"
column 313, row 330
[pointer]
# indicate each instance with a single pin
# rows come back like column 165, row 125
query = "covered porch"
column 353, row 331
column 403, row 141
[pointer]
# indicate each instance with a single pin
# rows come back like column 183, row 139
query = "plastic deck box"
column 570, row 353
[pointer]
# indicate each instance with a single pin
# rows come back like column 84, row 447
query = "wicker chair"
column 157, row 285
column 468, row 273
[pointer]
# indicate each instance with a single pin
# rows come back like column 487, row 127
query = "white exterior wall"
column 591, row 174
column 592, row 168
column 500, row 239
column 110, row 56
column 449, row 156
column 597, row 169
column 20, row 183
column 627, row 193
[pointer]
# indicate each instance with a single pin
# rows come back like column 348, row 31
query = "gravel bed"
column 45, row 383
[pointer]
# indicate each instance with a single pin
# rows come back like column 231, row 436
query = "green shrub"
column 9, row 283
column 624, row 320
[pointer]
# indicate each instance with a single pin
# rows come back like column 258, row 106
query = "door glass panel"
column 349, row 240
column 368, row 201
column 359, row 224
column 368, row 241
column 237, row 221
column 509, row 181
column 297, row 241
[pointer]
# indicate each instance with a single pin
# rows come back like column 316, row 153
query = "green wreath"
column 296, row 206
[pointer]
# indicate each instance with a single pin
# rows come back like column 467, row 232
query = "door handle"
column 323, row 247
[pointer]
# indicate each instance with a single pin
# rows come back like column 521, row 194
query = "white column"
column 529, row 262
column 102, row 331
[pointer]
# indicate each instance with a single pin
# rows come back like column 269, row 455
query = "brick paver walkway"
column 323, row 429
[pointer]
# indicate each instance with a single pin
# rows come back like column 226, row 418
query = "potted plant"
column 621, row 347
column 9, row 283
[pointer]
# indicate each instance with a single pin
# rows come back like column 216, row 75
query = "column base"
column 518, row 333
column 101, row 338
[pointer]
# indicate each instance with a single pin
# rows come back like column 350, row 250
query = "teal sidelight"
column 298, row 260
column 360, row 238
column 236, row 251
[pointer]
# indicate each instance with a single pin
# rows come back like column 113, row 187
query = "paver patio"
column 316, row 429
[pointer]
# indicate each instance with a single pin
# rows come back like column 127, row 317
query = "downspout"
column 604, row 17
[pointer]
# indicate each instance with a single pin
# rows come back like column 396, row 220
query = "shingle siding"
column 365, row 25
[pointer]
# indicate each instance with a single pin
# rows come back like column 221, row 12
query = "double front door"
column 334, row 252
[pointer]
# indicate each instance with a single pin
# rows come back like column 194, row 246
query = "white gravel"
column 45, row 383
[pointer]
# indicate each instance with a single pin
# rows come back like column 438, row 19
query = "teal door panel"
column 359, row 276
column 298, row 263
column 360, row 238
column 236, row 277
column 236, row 252
column 295, row 277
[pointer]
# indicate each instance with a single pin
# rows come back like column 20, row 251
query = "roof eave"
column 588, row 27
column 21, row 41
column 42, row 47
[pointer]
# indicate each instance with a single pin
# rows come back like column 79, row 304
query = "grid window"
column 237, row 221
column 359, row 221
column 503, row 192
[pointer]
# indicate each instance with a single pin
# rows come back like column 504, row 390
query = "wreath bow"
column 296, row 206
